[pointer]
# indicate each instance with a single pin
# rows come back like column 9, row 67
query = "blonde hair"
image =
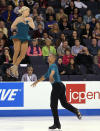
column 48, row 40
column 50, row 9
column 55, row 24
column 23, row 9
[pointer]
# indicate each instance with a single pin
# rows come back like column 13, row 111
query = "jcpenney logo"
column 76, row 93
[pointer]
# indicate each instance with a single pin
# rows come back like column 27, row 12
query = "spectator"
column 3, row 6
column 70, row 9
column 64, row 3
column 36, row 6
column 43, row 3
column 1, row 49
column 2, row 43
column 9, row 16
column 50, row 12
column 12, row 2
column 2, row 35
column 60, row 15
column 72, row 68
column 63, row 24
column 62, row 48
column 75, row 11
column 60, row 40
column 49, row 24
column 84, row 58
column 67, row 57
column 98, row 16
column 34, row 14
column 34, row 49
column 78, row 24
column 80, row 4
column 15, row 2
column 96, row 33
column 45, row 36
column 29, row 76
column 93, row 5
column 97, row 59
column 88, row 17
column 47, row 49
column 38, row 21
column 93, row 23
column 77, row 48
column 3, row 28
column 87, row 32
column 20, row 5
column 6, row 58
column 54, row 33
column 74, row 17
column 61, row 67
column 93, row 48
column 7, row 77
column 39, row 32
column 73, row 38
column 41, row 40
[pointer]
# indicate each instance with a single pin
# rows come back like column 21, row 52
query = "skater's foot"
column 14, row 71
column 79, row 116
column 55, row 126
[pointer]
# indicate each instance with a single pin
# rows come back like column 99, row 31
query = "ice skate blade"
column 55, row 130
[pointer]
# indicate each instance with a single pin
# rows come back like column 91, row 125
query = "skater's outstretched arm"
column 51, row 79
column 39, row 80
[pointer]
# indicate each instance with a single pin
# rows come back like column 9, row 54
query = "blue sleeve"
column 53, row 68
column 46, row 75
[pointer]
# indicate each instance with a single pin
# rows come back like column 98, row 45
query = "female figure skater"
column 20, row 40
column 58, row 92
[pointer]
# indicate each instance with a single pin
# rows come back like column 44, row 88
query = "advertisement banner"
column 83, row 95
column 11, row 95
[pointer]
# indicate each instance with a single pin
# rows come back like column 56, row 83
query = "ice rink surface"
column 91, row 123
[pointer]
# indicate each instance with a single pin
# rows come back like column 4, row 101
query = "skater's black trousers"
column 58, row 93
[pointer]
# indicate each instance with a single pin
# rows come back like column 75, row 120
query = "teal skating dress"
column 22, row 32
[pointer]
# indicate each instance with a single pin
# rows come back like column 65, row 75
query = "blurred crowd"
column 69, row 29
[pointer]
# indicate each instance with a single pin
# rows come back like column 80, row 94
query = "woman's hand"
column 31, row 23
column 8, row 56
column 62, row 73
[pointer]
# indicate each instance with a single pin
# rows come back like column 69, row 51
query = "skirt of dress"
column 21, row 38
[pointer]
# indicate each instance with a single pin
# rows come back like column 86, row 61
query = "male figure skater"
column 58, row 92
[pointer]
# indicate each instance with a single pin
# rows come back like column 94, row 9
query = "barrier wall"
column 20, row 99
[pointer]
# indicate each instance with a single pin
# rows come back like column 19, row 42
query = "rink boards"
column 20, row 99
